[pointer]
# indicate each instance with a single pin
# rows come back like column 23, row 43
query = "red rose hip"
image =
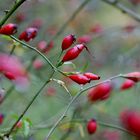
column 68, row 41
column 127, row 84
column 79, row 79
column 91, row 76
column 91, row 126
column 8, row 29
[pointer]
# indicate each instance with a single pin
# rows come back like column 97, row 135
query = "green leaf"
column 26, row 127
column 70, row 63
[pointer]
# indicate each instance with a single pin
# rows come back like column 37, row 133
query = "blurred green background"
column 115, row 50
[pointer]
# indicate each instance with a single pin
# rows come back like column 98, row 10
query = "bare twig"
column 73, row 100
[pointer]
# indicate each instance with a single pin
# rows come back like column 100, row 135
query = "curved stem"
column 74, row 98
column 28, row 106
column 33, row 48
column 9, row 13
column 41, row 54
column 101, row 123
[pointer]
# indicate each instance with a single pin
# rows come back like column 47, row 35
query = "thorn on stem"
column 6, row 11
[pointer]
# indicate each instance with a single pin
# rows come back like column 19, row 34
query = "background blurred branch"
column 69, row 20
column 123, row 9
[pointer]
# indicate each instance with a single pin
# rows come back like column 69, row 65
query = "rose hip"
column 29, row 34
column 73, row 53
column 8, row 29
column 135, row 76
column 127, row 84
column 131, row 120
column 91, row 76
column 91, row 126
column 68, row 41
column 79, row 79
column 100, row 92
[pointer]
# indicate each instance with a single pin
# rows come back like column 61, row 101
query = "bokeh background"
column 114, row 39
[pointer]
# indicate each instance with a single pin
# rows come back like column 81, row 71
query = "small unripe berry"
column 91, row 126
column 68, row 41
column 8, row 29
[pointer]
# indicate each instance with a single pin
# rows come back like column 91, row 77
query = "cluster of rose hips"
column 130, row 119
column 72, row 54
column 102, row 91
column 27, row 35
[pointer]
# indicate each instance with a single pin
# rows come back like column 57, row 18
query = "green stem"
column 101, row 123
column 72, row 101
column 12, row 50
column 41, row 54
column 9, row 13
column 28, row 106
column 34, row 49
column 65, row 136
